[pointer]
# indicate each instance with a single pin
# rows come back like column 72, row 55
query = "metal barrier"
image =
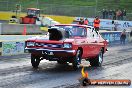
column 114, row 36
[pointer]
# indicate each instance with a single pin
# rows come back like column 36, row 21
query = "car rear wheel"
column 98, row 60
column 35, row 61
column 77, row 60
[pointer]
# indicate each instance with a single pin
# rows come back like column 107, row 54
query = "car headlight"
column 30, row 43
column 67, row 45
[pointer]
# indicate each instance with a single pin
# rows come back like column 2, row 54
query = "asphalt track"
column 17, row 72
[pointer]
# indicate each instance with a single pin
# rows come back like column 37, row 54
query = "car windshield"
column 74, row 31
column 32, row 12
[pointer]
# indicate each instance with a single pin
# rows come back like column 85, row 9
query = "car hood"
column 45, row 37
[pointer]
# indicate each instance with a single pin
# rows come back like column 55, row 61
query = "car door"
column 82, row 41
column 95, row 43
column 92, row 39
column 88, row 47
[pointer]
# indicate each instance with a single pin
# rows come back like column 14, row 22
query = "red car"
column 68, row 43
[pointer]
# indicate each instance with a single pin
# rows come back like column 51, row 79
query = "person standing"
column 131, row 33
column 81, row 22
column 123, row 37
column 86, row 21
column 130, row 37
column 121, row 15
column 118, row 14
column 124, row 14
column 96, row 24
column 110, row 14
column 104, row 14
column 114, row 14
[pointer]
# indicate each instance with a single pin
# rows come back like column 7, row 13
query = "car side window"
column 94, row 33
column 84, row 32
column 89, row 32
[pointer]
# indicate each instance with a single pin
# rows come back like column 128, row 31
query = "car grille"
column 49, row 45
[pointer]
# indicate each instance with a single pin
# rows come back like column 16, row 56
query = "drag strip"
column 17, row 72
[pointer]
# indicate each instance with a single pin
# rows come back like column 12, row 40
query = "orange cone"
column 24, row 30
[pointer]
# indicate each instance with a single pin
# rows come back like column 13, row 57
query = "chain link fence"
column 55, row 9
column 52, row 9
column 69, row 10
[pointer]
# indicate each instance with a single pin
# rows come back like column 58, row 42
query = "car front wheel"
column 35, row 61
column 98, row 60
column 77, row 60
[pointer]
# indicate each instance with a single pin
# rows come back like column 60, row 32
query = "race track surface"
column 17, row 72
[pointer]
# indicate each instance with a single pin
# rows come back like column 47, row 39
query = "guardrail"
column 19, row 28
column 114, row 36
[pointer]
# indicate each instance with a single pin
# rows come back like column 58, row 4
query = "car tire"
column 35, row 61
column 97, row 62
column 77, row 60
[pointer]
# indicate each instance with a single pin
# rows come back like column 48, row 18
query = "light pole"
column 96, row 8
column 37, row 3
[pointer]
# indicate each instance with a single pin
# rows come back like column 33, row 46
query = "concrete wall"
column 12, row 48
column 19, row 28
column 15, row 37
column 49, row 22
column 13, row 44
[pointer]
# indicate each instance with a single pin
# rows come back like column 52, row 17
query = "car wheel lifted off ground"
column 98, row 60
column 35, row 61
column 77, row 59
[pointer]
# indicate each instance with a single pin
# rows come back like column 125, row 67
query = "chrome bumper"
column 49, row 50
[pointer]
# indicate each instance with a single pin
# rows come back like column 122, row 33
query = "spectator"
column 124, row 14
column 96, row 24
column 86, row 21
column 131, row 33
column 110, row 14
column 118, row 13
column 113, row 25
column 121, row 15
column 123, row 37
column 130, row 38
column 107, row 14
column 81, row 22
column 104, row 14
column 114, row 14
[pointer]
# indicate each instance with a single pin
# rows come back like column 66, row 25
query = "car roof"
column 73, row 25
column 33, row 9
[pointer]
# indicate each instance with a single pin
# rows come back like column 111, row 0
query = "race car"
column 68, row 43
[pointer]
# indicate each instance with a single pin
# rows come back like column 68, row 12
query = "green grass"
column 50, row 5
column 108, row 4
column 125, row 4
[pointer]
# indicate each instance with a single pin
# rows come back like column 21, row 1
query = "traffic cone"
column 24, row 30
